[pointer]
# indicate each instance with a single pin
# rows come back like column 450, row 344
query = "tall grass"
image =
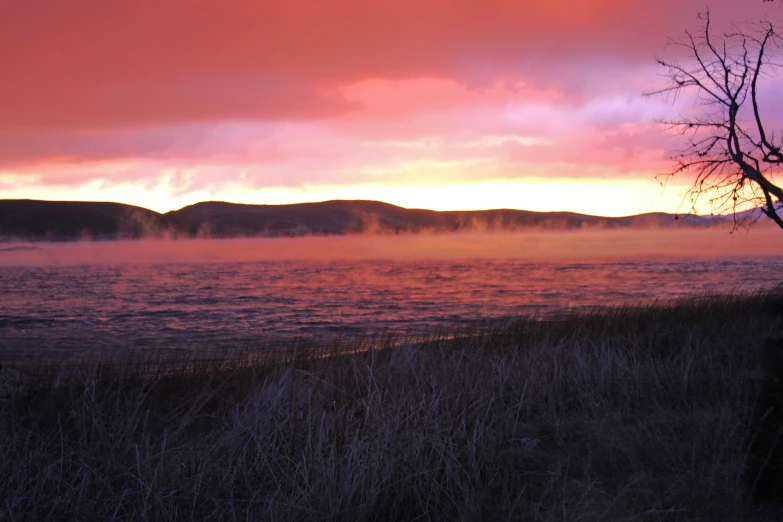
column 634, row 413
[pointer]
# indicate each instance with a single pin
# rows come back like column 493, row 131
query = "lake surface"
column 75, row 299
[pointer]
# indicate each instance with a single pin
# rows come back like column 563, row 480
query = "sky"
column 441, row 104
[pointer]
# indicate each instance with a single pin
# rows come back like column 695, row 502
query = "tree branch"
column 725, row 156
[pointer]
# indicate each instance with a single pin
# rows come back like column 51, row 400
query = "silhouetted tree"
column 729, row 152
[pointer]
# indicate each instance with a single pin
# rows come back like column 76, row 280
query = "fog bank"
column 544, row 246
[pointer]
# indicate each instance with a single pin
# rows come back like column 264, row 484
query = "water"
column 71, row 309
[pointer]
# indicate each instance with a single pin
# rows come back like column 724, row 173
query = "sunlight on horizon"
column 586, row 196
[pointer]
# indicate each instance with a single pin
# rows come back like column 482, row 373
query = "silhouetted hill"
column 346, row 217
column 325, row 218
column 67, row 220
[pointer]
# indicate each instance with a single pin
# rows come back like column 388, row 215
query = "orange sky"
column 444, row 104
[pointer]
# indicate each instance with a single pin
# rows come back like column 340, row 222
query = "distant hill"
column 70, row 220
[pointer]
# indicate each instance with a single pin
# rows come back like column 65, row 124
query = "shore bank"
column 634, row 413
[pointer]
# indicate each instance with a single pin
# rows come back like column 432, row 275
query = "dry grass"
column 626, row 414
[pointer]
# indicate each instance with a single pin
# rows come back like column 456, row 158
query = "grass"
column 634, row 413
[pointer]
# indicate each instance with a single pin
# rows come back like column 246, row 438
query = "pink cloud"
column 89, row 63
column 203, row 95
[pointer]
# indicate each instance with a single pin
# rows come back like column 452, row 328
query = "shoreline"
column 274, row 349
column 648, row 409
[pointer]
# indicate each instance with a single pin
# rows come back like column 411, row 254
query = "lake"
column 77, row 298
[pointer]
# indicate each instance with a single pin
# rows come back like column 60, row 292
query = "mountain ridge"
column 40, row 220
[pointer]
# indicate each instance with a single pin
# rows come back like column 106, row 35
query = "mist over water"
column 76, row 298
column 591, row 245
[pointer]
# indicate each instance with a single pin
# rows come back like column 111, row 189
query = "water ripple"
column 76, row 308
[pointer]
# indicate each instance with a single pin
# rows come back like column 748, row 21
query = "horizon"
column 366, row 201
column 423, row 105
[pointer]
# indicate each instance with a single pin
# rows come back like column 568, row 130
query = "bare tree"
column 730, row 155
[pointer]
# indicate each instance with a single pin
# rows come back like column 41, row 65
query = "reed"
column 626, row 413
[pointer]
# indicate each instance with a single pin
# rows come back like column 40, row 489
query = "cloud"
column 203, row 98
column 88, row 63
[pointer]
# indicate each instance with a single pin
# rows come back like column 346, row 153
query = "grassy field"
column 639, row 413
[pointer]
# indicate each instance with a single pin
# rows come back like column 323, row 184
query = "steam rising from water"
column 626, row 244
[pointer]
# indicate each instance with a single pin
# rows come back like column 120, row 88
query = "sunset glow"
column 425, row 104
